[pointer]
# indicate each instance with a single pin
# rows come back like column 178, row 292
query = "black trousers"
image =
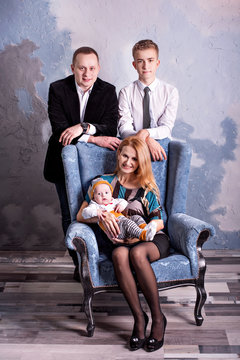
column 66, row 217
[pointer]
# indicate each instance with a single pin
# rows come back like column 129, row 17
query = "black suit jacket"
column 64, row 111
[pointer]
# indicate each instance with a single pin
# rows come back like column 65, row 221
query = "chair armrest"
column 72, row 179
column 83, row 231
column 179, row 158
column 81, row 238
column 187, row 235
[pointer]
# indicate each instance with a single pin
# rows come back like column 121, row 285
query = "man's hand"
column 109, row 142
column 70, row 133
column 156, row 149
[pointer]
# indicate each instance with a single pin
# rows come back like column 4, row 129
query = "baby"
column 102, row 201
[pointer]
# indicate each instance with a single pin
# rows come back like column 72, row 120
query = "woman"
column 134, row 181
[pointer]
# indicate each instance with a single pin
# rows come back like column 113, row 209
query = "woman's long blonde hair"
column 144, row 172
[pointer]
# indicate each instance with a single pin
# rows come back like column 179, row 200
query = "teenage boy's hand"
column 156, row 149
column 143, row 134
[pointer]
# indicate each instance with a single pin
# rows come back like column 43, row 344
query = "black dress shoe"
column 136, row 343
column 153, row 344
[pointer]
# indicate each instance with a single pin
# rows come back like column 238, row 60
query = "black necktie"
column 146, row 114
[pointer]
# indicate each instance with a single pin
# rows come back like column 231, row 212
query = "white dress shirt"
column 83, row 99
column 163, row 109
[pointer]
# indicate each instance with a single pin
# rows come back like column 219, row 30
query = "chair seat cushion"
column 174, row 267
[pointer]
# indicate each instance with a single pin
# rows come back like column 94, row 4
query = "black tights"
column 139, row 258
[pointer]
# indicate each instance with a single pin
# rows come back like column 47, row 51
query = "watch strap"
column 84, row 127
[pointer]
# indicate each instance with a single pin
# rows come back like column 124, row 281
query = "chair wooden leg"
column 87, row 308
column 201, row 292
column 199, row 283
column 79, row 243
column 200, row 301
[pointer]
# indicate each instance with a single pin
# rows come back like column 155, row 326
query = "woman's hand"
column 110, row 224
column 124, row 241
column 108, row 220
column 100, row 213
column 159, row 223
column 80, row 218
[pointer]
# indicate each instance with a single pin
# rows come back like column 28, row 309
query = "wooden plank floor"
column 40, row 318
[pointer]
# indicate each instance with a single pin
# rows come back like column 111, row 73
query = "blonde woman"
column 133, row 180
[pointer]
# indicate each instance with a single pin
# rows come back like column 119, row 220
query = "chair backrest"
column 84, row 161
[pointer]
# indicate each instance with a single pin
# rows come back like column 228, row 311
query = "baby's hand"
column 119, row 208
column 100, row 214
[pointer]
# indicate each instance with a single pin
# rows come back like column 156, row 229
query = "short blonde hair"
column 143, row 45
column 144, row 172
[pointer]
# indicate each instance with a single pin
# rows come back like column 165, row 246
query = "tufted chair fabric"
column 184, row 266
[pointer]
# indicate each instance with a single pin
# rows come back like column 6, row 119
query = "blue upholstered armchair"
column 185, row 265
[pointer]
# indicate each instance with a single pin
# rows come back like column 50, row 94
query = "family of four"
column 82, row 107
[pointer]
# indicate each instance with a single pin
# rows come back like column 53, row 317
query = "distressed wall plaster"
column 199, row 53
column 32, row 54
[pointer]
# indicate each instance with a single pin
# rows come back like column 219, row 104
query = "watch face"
column 84, row 126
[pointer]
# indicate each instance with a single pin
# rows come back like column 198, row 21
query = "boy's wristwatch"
column 84, row 127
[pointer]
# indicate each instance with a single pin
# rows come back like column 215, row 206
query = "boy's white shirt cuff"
column 159, row 133
column 92, row 130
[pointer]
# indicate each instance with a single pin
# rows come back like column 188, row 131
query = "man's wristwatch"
column 85, row 127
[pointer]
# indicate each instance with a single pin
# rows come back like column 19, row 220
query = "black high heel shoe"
column 153, row 344
column 135, row 343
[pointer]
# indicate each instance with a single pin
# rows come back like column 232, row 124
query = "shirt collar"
column 80, row 91
column 152, row 86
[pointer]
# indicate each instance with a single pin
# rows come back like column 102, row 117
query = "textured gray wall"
column 199, row 53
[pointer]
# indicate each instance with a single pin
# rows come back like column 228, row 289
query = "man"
column 81, row 107
column 148, row 106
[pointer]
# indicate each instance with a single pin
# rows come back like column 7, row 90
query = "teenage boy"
column 148, row 106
